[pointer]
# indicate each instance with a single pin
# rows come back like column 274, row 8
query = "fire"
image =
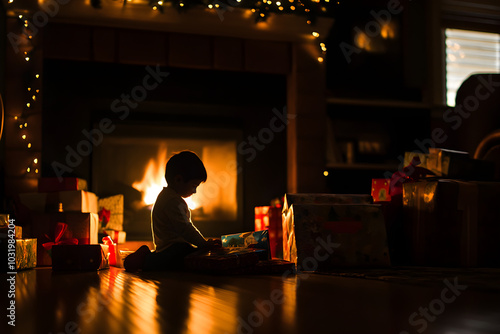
column 153, row 180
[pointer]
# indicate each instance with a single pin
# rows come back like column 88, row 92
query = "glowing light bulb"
column 315, row 34
column 325, row 173
column 160, row 3
column 292, row 7
column 27, row 58
column 320, row 59
column 280, row 7
column 11, row 1
column 210, row 6
column 20, row 16
column 29, row 145
column 36, row 170
column 278, row 3
column 155, row 8
column 35, row 161
column 23, row 137
column 37, row 76
column 28, row 104
column 26, row 124
column 181, row 4
column 216, row 5
column 28, row 169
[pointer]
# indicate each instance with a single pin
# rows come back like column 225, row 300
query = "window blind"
column 469, row 52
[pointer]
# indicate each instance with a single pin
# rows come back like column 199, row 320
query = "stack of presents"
column 66, row 227
column 441, row 210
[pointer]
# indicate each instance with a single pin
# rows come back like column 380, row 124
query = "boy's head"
column 184, row 172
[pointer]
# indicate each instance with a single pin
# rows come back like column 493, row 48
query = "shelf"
column 364, row 166
column 377, row 103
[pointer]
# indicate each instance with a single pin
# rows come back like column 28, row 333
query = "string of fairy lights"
column 32, row 85
column 261, row 9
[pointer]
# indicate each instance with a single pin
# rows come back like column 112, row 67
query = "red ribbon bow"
column 59, row 232
column 104, row 216
column 410, row 173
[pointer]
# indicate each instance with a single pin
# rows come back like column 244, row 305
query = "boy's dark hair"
column 188, row 165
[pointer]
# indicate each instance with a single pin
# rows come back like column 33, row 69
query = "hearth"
column 131, row 161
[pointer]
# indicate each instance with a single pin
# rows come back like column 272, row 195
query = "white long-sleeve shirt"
column 171, row 221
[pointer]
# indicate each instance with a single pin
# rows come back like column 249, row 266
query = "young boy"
column 174, row 235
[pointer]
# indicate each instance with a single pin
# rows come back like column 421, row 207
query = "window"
column 469, row 52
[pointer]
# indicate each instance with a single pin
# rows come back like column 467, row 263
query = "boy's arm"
column 181, row 219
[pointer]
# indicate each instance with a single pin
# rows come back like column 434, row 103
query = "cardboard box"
column 71, row 200
column 47, row 228
column 453, row 223
column 322, row 237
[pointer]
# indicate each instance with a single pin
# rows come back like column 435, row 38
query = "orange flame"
column 153, row 180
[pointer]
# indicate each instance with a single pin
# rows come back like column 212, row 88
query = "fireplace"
column 131, row 161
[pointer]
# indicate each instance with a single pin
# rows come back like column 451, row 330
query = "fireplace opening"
column 132, row 162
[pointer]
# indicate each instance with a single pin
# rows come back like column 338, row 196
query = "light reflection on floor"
column 113, row 301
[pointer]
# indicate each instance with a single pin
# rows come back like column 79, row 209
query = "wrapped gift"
column 63, row 228
column 223, row 260
column 453, row 223
column 381, row 190
column 111, row 212
column 257, row 240
column 321, row 237
column 453, row 164
column 4, row 219
column 269, row 218
column 24, row 257
column 72, row 200
column 15, row 231
column 80, row 257
column 325, row 199
column 26, row 253
column 50, row 184
column 118, row 237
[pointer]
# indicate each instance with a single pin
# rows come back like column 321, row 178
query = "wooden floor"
column 114, row 301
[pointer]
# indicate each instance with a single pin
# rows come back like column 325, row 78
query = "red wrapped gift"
column 380, row 190
column 80, row 257
column 118, row 237
column 47, row 228
column 49, row 184
column 269, row 218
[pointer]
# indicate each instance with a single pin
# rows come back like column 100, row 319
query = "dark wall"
column 78, row 95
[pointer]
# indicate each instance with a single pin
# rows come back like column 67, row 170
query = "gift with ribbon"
column 58, row 238
column 62, row 228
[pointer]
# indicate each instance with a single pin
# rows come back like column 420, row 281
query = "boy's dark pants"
column 171, row 258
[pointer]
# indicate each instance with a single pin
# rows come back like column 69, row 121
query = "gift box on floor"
column 63, row 228
column 49, row 184
column 453, row 223
column 257, row 240
column 111, row 212
column 223, row 260
column 80, row 257
column 269, row 218
column 71, row 200
column 25, row 254
column 453, row 164
column 16, row 231
column 321, row 237
column 118, row 237
column 380, row 190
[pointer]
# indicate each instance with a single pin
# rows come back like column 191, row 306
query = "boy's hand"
column 214, row 243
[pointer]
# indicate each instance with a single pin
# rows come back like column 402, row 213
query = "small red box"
column 380, row 190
